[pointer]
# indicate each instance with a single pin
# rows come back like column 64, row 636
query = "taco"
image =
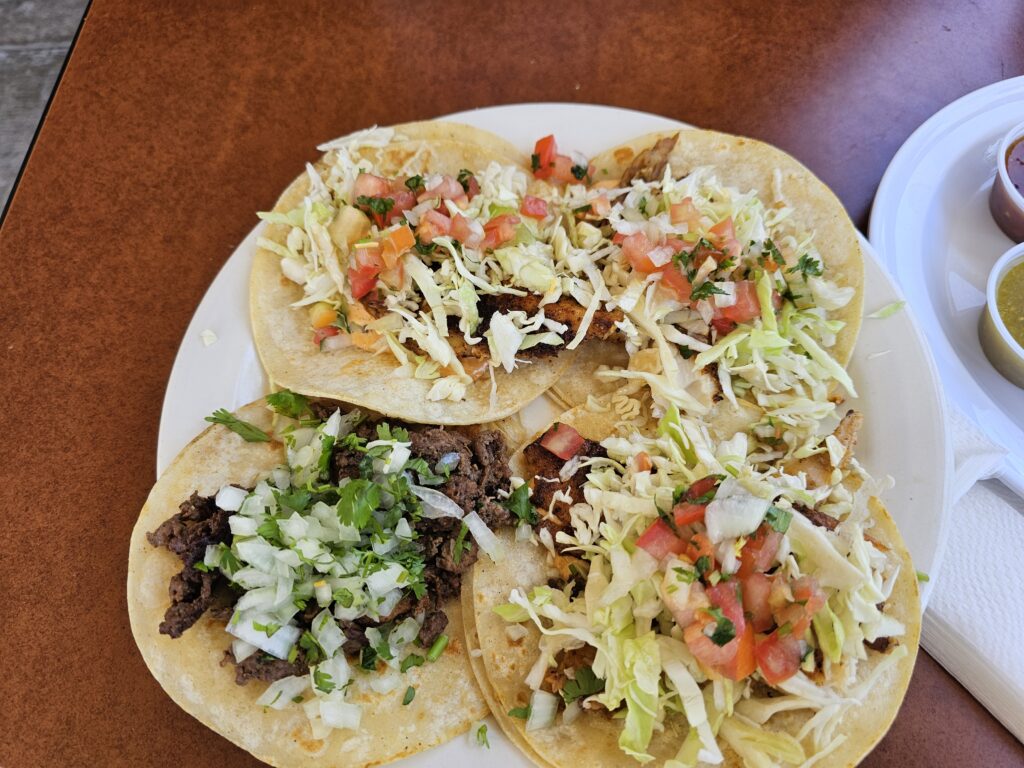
column 690, row 602
column 293, row 579
column 734, row 276
column 406, row 273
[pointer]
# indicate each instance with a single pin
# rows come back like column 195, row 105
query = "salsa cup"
column 1005, row 201
column 1002, row 350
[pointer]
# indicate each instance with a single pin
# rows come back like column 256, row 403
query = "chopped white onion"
column 543, row 708
column 572, row 712
column 483, row 536
column 337, row 342
column 230, row 498
column 281, row 692
column 385, row 683
column 338, row 713
column 379, row 583
column 242, row 650
column 278, row 644
column 436, row 504
column 242, row 526
column 523, row 532
column 448, row 462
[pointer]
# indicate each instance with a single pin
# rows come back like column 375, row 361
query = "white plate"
column 933, row 230
column 904, row 434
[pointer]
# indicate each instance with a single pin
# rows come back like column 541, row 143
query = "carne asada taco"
column 683, row 602
column 405, row 272
column 732, row 274
column 293, row 579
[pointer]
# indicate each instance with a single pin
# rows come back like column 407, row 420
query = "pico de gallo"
column 700, row 579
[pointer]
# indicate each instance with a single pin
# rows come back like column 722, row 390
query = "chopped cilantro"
column 414, row 182
column 386, row 432
column 343, row 597
column 582, row 209
column 579, row 172
column 685, row 574
column 518, row 503
column 381, row 206
column 357, row 501
column 247, row 431
column 642, row 206
column 410, row 694
column 311, row 647
column 669, row 519
column 269, row 530
column 322, row 681
column 298, row 699
column 268, row 629
column 807, row 265
column 585, row 684
column 296, row 500
column 201, row 566
column 725, row 630
column 368, row 659
column 535, row 162
column 773, row 251
column 703, row 564
column 424, row 249
column 460, row 544
column 523, row 713
column 705, row 290
column 686, row 352
column 923, row 577
column 464, row 177
column 288, row 403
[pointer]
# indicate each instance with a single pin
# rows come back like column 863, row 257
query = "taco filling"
column 721, row 292
column 452, row 274
column 333, row 572
column 698, row 581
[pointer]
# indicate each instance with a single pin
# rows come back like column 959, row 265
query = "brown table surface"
column 174, row 123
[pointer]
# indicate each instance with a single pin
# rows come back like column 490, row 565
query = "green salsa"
column 1010, row 301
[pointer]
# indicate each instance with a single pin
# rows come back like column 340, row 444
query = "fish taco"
column 676, row 600
column 294, row 579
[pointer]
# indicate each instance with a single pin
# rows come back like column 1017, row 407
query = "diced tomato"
column 642, row 462
column 500, row 230
column 600, row 207
column 701, row 487
column 636, row 248
column 723, row 326
column 659, row 539
column 322, row 333
column 734, row 659
column 448, row 188
column 562, row 170
column 396, row 242
column 811, row 598
column 746, row 308
column 563, row 441
column 700, row 546
column 403, row 200
column 778, row 656
column 366, row 264
column 534, row 207
column 369, row 185
column 433, row 224
column 758, row 554
column 467, row 231
column 756, row 588
column 672, row 277
column 544, row 156
column 618, row 238
column 685, row 212
column 724, row 236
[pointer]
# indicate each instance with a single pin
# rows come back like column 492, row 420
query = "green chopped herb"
column 437, row 648
column 464, row 177
column 535, row 162
column 807, row 265
column 424, row 249
column 268, row 629
column 705, row 290
column 785, row 629
column 773, row 251
column 923, row 577
column 518, row 503
column 686, row 352
column 481, row 736
column 669, row 519
column 343, row 597
column 201, row 566
column 311, row 648
column 247, row 431
column 582, row 209
column 585, row 684
column 357, row 501
column 298, row 699
column 642, row 206
column 579, row 172
column 460, row 544
column 288, row 403
column 322, row 681
column 228, row 561
column 381, row 206
column 410, row 694
column 297, row 499
column 685, row 574
column 725, row 630
column 410, row 661
column 703, row 565
column 414, row 182
column 778, row 518
column 523, row 713
column 368, row 659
